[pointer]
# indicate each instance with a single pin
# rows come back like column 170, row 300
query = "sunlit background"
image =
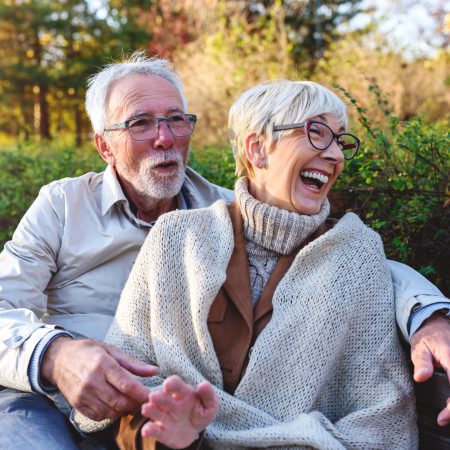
column 388, row 59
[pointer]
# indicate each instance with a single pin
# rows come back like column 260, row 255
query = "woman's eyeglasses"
column 320, row 136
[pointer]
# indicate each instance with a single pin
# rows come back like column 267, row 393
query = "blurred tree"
column 23, row 65
column 47, row 51
column 311, row 25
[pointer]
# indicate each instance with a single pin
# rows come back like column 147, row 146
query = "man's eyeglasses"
column 145, row 127
column 321, row 136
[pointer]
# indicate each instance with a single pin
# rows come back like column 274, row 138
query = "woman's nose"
column 333, row 153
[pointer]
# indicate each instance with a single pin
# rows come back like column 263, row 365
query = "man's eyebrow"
column 139, row 114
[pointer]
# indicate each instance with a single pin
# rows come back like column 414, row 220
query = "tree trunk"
column 44, row 123
column 78, row 126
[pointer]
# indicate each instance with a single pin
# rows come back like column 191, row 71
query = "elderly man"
column 62, row 273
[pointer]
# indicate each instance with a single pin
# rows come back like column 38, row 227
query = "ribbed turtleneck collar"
column 273, row 228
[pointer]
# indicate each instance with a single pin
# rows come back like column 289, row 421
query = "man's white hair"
column 100, row 84
column 280, row 102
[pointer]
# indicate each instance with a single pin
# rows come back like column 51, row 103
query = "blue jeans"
column 31, row 422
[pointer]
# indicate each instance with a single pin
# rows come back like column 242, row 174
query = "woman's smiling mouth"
column 313, row 179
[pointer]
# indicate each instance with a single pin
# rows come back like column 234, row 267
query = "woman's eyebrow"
column 322, row 117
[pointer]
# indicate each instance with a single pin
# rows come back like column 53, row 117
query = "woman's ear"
column 103, row 149
column 255, row 151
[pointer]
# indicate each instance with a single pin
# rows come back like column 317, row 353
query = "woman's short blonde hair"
column 277, row 103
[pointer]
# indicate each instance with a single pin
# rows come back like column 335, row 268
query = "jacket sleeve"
column 412, row 291
column 27, row 263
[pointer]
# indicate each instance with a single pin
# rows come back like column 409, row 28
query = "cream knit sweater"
column 327, row 372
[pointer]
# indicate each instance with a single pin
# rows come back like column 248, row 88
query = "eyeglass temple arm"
column 288, row 127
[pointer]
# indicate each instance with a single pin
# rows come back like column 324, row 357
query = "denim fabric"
column 31, row 422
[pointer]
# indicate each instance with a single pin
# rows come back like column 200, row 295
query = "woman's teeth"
column 314, row 176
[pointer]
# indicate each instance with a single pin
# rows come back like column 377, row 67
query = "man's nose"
column 164, row 138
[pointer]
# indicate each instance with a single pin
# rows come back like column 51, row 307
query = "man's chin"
column 162, row 188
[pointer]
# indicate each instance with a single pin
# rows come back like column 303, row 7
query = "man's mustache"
column 162, row 157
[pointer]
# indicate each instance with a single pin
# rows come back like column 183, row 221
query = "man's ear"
column 103, row 149
column 255, row 150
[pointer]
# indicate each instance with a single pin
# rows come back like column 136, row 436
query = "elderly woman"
column 268, row 299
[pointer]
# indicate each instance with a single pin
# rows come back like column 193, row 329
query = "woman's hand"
column 179, row 412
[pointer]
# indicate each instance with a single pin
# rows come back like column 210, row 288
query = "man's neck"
column 150, row 214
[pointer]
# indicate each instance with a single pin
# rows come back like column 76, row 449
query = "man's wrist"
column 420, row 315
column 50, row 357
column 34, row 366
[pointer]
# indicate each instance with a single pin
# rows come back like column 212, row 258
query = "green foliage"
column 399, row 185
column 48, row 49
column 25, row 169
column 215, row 164
column 311, row 26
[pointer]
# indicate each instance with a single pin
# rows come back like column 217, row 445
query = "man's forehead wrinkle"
column 131, row 101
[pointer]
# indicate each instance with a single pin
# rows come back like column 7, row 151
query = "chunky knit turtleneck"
column 271, row 232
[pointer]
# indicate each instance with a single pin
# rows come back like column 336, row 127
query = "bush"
column 399, row 185
column 25, row 169
column 215, row 164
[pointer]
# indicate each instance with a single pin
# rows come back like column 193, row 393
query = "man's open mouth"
column 167, row 165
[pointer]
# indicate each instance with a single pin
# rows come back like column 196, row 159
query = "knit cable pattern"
column 271, row 232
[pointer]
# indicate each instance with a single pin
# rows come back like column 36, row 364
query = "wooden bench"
column 431, row 397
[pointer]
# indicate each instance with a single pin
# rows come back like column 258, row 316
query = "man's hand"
column 430, row 348
column 95, row 378
column 179, row 412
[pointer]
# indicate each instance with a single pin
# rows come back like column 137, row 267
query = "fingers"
column 93, row 380
column 177, row 388
column 176, row 398
column 430, row 347
column 127, row 386
column 133, row 365
column 422, row 359
column 207, row 395
column 442, row 355
column 97, row 409
column 207, row 406
column 444, row 416
column 151, row 429
column 98, row 399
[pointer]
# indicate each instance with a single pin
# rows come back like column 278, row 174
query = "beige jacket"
column 69, row 260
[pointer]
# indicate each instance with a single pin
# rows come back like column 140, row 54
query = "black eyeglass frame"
column 307, row 125
column 126, row 125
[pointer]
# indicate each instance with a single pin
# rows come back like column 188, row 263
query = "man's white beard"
column 150, row 184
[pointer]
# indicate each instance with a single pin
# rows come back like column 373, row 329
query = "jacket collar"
column 112, row 193
column 111, row 190
column 196, row 192
column 237, row 283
